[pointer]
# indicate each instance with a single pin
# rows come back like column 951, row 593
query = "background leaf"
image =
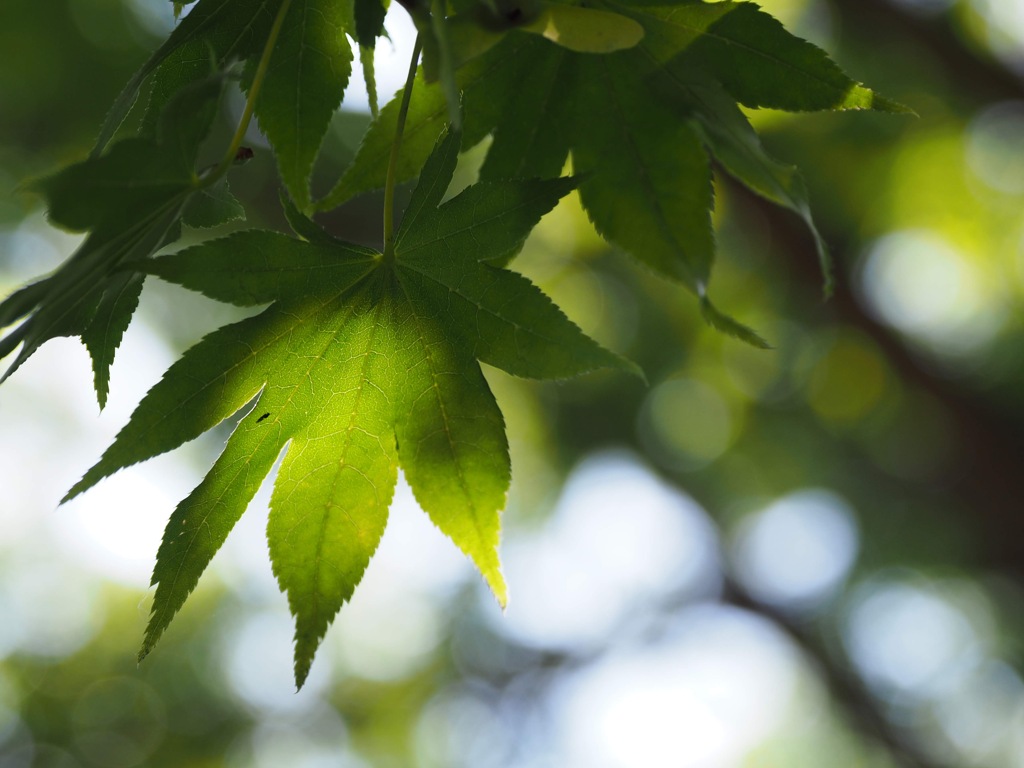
column 132, row 200
column 230, row 29
column 763, row 65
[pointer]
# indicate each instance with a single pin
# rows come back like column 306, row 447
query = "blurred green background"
column 811, row 556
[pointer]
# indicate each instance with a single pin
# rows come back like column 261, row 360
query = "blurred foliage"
column 900, row 397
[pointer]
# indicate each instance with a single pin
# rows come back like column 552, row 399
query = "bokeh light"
column 716, row 686
column 797, row 550
column 908, row 639
column 687, row 423
column 618, row 537
column 921, row 284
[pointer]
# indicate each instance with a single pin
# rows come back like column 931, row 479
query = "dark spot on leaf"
column 261, row 418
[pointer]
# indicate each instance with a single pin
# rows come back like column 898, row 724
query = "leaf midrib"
column 343, row 460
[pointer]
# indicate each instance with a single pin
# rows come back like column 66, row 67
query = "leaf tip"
column 495, row 581
column 881, row 103
column 727, row 325
column 828, row 272
column 158, row 622
column 303, row 663
column 101, row 381
column 76, row 490
column 488, row 564
column 828, row 287
column 633, row 369
column 309, row 633
column 89, row 479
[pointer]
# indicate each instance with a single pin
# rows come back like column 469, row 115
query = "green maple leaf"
column 362, row 363
column 131, row 201
column 642, row 125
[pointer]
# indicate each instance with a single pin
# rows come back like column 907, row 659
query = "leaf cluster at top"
column 364, row 361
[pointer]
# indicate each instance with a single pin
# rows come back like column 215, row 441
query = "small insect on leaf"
column 244, row 155
column 261, row 418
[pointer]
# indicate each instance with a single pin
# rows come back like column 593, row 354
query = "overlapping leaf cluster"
column 642, row 124
column 364, row 361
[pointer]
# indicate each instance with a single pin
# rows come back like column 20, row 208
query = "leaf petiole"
column 228, row 160
column 390, row 180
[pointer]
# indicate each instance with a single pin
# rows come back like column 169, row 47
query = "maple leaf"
column 363, row 362
column 642, row 125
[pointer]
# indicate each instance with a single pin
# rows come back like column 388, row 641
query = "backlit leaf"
column 362, row 363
